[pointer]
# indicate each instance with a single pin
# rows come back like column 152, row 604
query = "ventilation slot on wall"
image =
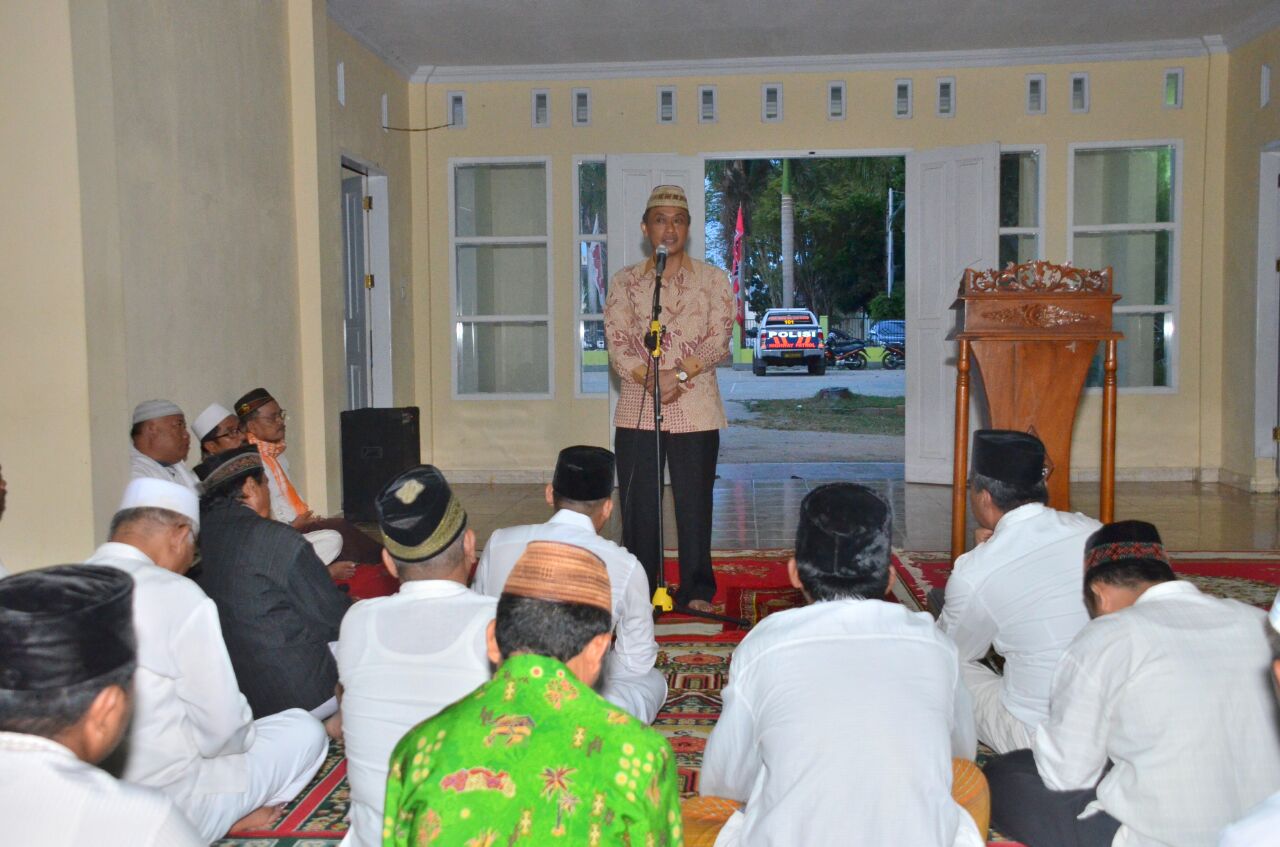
column 581, row 106
column 1080, row 92
column 946, row 97
column 902, row 98
column 666, row 105
column 835, row 101
column 706, row 104
column 541, row 108
column 1035, row 94
column 1173, row 88
column 457, row 109
column 771, row 103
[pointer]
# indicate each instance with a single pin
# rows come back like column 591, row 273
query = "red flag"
column 739, row 292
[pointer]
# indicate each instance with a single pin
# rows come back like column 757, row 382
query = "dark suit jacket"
column 279, row 608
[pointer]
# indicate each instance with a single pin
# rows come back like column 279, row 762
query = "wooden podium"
column 1032, row 330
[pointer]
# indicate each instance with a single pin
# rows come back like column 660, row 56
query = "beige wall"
column 1249, row 128
column 44, row 379
column 173, row 209
column 1126, row 105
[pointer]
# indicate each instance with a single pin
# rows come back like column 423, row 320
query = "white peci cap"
column 208, row 420
column 150, row 493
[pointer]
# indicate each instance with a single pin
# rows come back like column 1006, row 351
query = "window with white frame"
column 1173, row 88
column 771, row 102
column 540, row 107
column 590, row 207
column 835, row 101
column 502, row 290
column 666, row 104
column 1125, row 215
column 902, row 98
column 457, row 109
column 1019, row 206
column 707, row 104
column 581, row 106
column 1080, row 92
column 946, row 97
column 1035, row 94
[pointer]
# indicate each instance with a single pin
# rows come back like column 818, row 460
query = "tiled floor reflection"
column 756, row 507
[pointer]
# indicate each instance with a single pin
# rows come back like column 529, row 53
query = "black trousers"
column 691, row 458
column 1023, row 808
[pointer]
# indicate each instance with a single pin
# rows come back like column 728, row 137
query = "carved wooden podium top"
column 1037, row 300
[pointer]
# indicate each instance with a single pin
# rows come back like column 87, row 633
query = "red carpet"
column 1251, row 577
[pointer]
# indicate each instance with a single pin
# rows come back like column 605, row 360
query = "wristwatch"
column 682, row 376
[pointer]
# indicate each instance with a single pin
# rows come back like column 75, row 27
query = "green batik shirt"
column 533, row 756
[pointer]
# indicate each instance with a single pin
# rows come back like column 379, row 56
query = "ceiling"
column 416, row 36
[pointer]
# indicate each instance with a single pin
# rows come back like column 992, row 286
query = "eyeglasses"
column 279, row 417
column 218, row 436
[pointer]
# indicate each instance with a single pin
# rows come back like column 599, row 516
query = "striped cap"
column 667, row 195
column 560, row 573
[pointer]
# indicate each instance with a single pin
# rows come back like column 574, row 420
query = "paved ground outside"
column 746, row 444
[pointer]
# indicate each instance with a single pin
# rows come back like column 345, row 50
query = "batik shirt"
column 533, row 756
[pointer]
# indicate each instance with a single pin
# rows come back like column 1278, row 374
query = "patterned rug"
column 1251, row 577
column 695, row 656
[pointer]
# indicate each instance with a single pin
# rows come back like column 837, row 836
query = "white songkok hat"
column 209, row 419
column 151, row 493
column 1275, row 613
column 149, row 410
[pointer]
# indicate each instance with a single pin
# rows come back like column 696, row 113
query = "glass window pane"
column 503, row 358
column 500, row 200
column 507, row 279
column 594, row 376
column 1143, row 356
column 1020, row 189
column 593, row 276
column 1141, row 261
column 1124, row 185
column 1018, row 249
column 592, row 208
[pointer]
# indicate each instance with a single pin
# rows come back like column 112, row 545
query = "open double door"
column 952, row 224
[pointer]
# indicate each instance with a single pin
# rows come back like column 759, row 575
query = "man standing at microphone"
column 697, row 315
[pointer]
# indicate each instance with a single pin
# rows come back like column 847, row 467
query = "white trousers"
column 639, row 696
column 997, row 728
column 288, row 749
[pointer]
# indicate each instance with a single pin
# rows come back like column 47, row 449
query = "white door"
column 952, row 224
column 629, row 180
column 355, row 321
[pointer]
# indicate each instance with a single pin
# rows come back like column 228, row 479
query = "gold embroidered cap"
column 419, row 514
column 667, row 195
column 560, row 573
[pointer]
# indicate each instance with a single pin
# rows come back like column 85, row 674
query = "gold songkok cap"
column 560, row 573
column 667, row 195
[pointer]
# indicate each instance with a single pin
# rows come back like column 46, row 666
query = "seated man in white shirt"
column 193, row 734
column 581, row 492
column 403, row 658
column 66, row 660
column 160, row 444
column 1165, row 684
column 841, row 719
column 1262, row 825
column 1018, row 590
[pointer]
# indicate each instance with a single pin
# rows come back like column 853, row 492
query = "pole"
column 888, row 244
column 788, row 239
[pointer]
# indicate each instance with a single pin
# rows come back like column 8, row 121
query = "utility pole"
column 889, row 215
column 788, row 239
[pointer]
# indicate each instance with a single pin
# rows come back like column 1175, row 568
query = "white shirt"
column 634, row 649
column 49, row 798
column 191, row 725
column 811, row 732
column 1176, row 692
column 401, row 659
column 1260, row 828
column 142, row 465
column 1021, row 591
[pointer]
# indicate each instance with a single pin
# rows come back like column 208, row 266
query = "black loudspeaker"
column 377, row 444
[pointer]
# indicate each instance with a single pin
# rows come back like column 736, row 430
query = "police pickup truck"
column 789, row 337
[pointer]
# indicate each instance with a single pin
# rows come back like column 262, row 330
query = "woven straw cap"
column 560, row 573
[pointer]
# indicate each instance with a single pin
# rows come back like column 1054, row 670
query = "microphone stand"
column 662, row 600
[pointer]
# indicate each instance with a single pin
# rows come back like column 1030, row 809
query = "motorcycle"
column 845, row 351
column 895, row 356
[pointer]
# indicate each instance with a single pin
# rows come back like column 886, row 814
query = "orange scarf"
column 269, row 450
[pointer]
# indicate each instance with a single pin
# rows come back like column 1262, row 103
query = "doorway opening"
column 366, row 273
column 823, row 235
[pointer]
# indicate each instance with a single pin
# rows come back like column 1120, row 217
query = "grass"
column 858, row 414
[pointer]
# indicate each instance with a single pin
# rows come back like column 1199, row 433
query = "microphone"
column 660, row 259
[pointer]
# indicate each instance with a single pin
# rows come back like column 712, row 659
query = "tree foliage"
column 839, row 227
